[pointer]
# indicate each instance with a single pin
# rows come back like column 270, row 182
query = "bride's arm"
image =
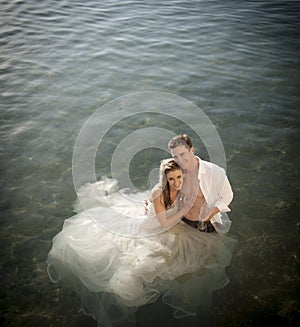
column 161, row 212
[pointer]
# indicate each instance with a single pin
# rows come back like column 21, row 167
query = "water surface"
column 239, row 62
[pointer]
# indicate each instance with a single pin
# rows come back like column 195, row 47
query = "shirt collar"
column 201, row 167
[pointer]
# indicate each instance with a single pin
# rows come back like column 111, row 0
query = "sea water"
column 238, row 62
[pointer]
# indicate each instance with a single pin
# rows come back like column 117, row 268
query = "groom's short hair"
column 182, row 139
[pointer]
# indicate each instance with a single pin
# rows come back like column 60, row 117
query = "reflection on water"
column 61, row 60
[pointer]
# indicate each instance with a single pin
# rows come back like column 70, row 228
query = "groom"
column 207, row 183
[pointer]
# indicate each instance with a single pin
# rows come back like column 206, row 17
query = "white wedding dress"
column 117, row 259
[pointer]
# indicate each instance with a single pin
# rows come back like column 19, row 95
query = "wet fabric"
column 114, row 274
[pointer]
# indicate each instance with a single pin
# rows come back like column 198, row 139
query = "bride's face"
column 174, row 179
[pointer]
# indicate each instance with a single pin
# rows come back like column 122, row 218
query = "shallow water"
column 62, row 60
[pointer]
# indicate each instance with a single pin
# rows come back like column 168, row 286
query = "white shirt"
column 217, row 192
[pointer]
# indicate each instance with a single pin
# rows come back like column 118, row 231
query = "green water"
column 62, row 60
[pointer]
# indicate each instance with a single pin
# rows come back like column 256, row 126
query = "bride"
column 117, row 258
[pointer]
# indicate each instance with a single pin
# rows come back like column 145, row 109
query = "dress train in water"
column 117, row 264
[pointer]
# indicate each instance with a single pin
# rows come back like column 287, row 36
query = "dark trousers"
column 205, row 226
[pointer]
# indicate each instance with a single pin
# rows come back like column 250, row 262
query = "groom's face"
column 183, row 156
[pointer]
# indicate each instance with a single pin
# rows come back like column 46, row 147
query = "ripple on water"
column 62, row 60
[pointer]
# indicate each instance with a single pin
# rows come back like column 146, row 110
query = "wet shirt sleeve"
column 225, row 194
column 215, row 186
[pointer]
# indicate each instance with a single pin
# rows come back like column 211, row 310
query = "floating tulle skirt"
column 115, row 273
